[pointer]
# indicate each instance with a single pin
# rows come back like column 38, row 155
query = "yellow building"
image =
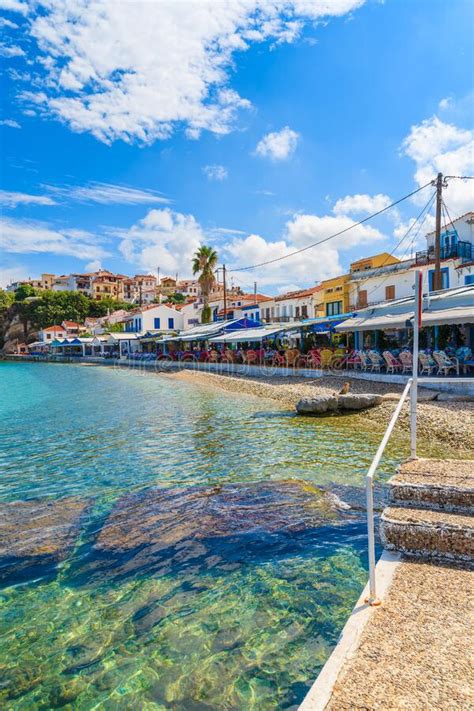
column 378, row 260
column 340, row 296
column 359, row 289
column 334, row 296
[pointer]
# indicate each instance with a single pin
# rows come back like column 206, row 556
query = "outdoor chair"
column 352, row 360
column 227, row 356
column 326, row 357
column 392, row 364
column 313, row 359
column 250, row 357
column 406, row 359
column 427, row 363
column 365, row 363
column 376, row 361
column 445, row 363
column 464, row 356
column 278, row 359
column 291, row 357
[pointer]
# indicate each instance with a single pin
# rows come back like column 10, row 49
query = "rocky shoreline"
column 440, row 423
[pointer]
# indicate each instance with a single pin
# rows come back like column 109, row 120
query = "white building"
column 154, row 317
column 292, row 306
column 51, row 333
column 395, row 281
column 191, row 313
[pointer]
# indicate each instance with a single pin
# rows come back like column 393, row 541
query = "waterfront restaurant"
column 447, row 317
column 205, row 333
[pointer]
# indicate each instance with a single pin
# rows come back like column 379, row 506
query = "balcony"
column 461, row 250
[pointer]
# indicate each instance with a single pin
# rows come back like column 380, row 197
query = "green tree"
column 204, row 264
column 54, row 307
column 24, row 291
column 6, row 300
column 104, row 306
column 176, row 298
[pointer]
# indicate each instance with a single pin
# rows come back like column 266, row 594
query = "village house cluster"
column 370, row 282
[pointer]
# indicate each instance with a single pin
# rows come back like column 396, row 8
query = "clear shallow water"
column 226, row 607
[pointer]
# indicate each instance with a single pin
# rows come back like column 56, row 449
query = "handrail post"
column 369, row 490
column 416, row 345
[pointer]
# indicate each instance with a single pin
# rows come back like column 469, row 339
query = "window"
column 297, row 312
column 171, row 323
column 469, row 279
column 334, row 308
column 363, row 297
column 304, row 311
column 390, row 292
column 444, row 278
column 157, row 323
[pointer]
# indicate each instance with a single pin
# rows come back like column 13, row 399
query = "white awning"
column 246, row 335
column 370, row 323
column 430, row 317
column 462, row 314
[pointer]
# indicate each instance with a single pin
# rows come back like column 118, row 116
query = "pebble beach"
column 440, row 423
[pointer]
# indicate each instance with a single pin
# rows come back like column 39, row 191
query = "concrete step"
column 437, row 484
column 428, row 534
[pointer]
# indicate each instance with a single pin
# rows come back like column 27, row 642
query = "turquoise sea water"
column 194, row 579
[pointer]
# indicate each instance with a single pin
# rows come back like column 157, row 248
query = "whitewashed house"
column 292, row 306
column 395, row 281
column 154, row 317
column 191, row 314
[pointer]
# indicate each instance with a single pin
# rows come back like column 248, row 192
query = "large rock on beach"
column 334, row 404
column 35, row 535
column 158, row 529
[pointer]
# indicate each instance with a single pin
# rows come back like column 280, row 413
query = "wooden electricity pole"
column 437, row 284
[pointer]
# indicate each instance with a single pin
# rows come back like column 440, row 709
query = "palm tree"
column 204, row 264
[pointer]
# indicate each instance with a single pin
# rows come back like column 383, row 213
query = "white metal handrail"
column 369, row 479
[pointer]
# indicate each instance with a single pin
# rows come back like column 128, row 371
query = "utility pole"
column 158, row 271
column 225, row 293
column 140, row 297
column 437, row 285
column 255, row 293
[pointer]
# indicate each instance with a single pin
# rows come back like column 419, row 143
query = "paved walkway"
column 416, row 652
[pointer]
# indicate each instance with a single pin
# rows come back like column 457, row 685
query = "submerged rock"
column 332, row 404
column 159, row 529
column 168, row 516
column 37, row 534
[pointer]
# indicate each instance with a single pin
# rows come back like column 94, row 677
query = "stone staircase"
column 431, row 510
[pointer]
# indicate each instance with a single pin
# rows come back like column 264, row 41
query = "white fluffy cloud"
column 10, row 123
column 361, row 204
column 14, row 6
column 278, row 145
column 22, row 237
column 93, row 266
column 9, row 51
column 133, row 71
column 108, row 194
column 9, row 274
column 12, row 199
column 310, row 266
column 436, row 146
column 164, row 239
column 215, row 172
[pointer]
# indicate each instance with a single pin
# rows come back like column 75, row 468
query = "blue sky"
column 132, row 132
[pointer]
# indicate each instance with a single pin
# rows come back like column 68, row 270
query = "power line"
column 336, row 234
column 427, row 207
column 425, row 210
column 459, row 177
